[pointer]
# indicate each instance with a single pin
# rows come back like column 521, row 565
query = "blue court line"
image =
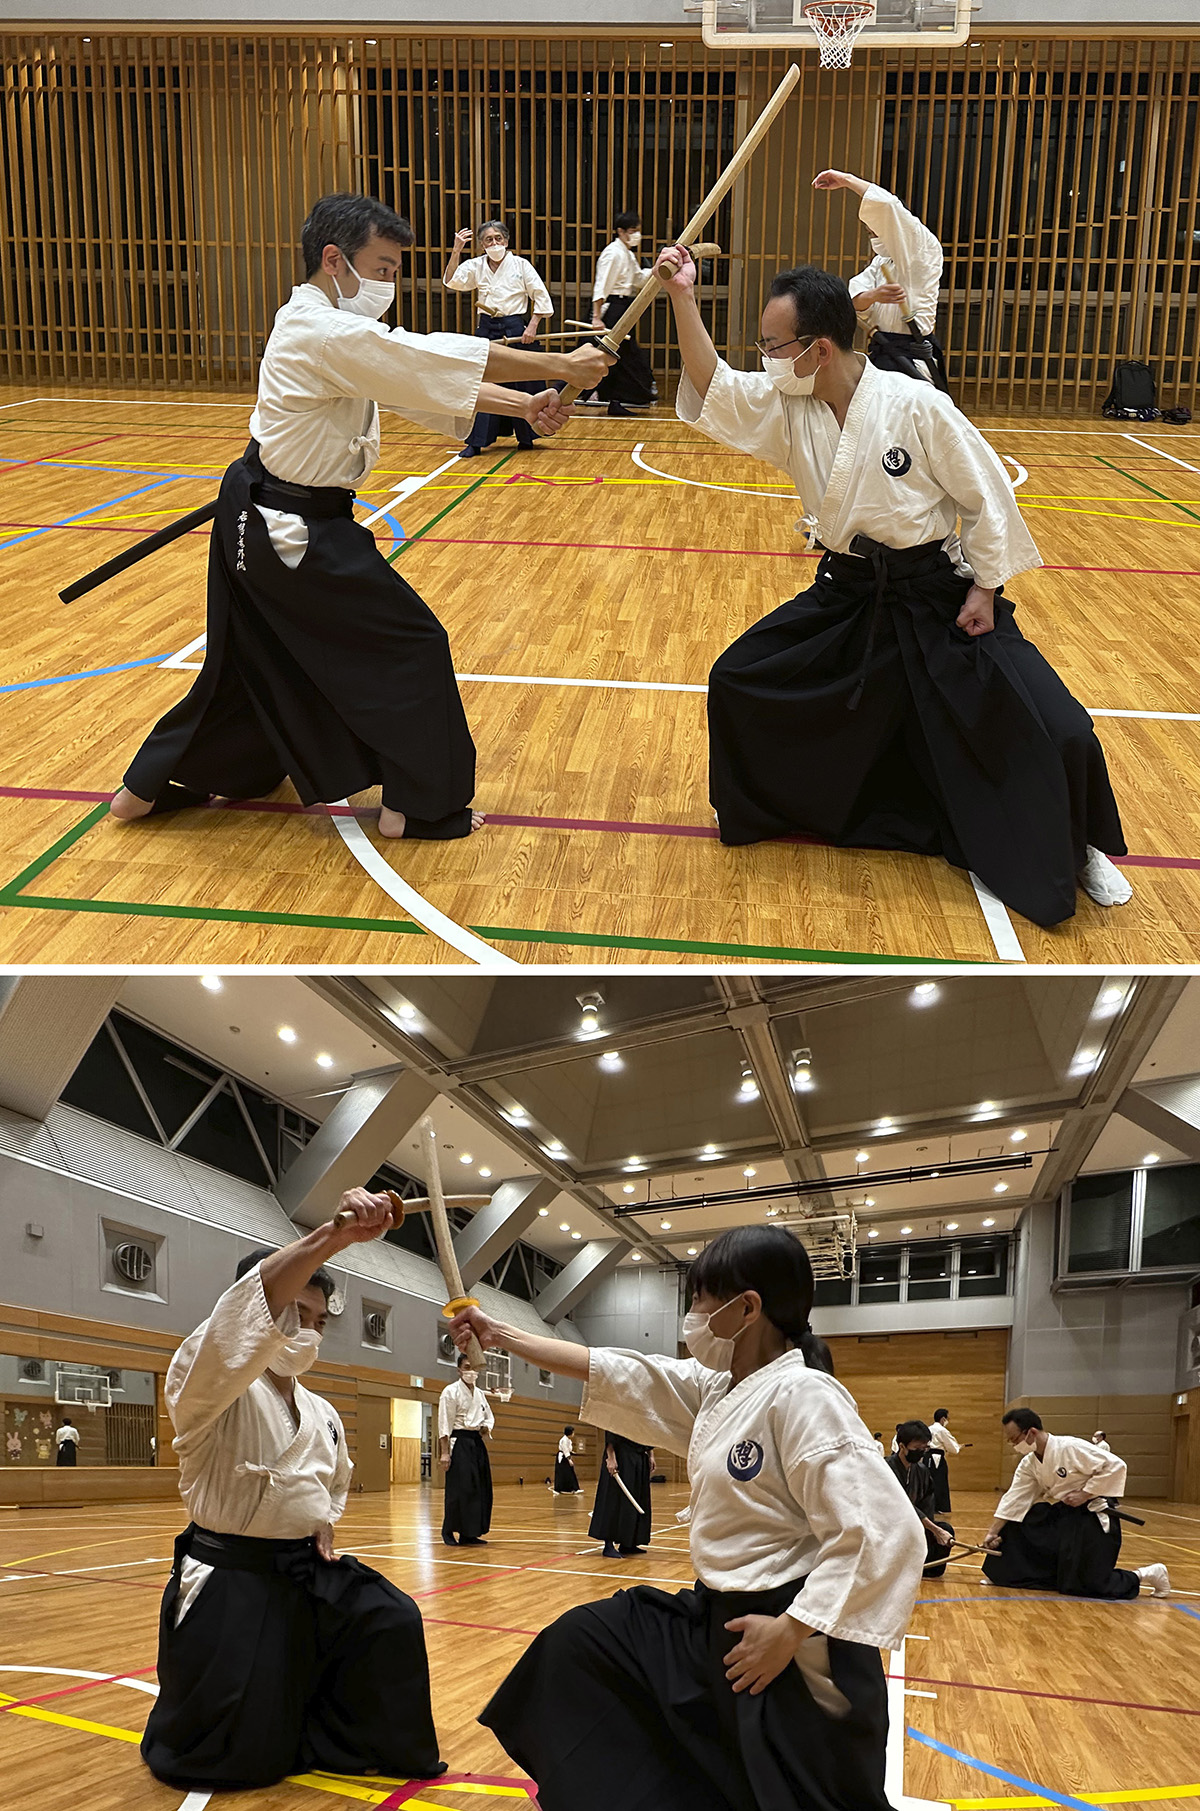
column 127, row 666
column 1187, row 1610
column 999, row 1773
column 1113, row 1603
column 113, row 471
column 66, row 521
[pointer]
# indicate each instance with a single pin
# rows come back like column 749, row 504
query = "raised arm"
column 461, row 241
column 677, row 272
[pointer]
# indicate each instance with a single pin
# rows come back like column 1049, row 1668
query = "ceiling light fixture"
column 483, row 1171
column 636, row 1256
column 286, row 1034
column 883, row 1125
column 989, row 1223
column 577, row 1235
column 554, row 1148
column 324, row 1061
column 872, row 1234
column 635, row 1163
column 750, row 1172
column 517, row 1116
column 906, row 1229
column 564, row 1226
column 952, row 1226
column 861, row 1157
column 1001, row 1188
column 692, row 1250
column 406, row 1010
column 1150, row 1157
column 589, row 1007
column 868, row 1200
column 628, row 1188
column 708, row 1153
column 1017, row 1137
column 925, row 994
column 664, row 1226
column 611, row 1060
column 802, row 1075
column 466, row 1157
column 749, row 1087
column 543, row 1213
column 213, row 983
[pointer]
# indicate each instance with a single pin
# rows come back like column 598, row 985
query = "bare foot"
column 391, row 823
column 127, row 806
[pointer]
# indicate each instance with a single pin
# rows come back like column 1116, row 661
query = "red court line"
column 75, row 1579
column 460, row 1584
column 489, row 1628
column 1021, row 1691
column 414, row 1788
column 610, row 825
column 86, row 1686
column 44, row 458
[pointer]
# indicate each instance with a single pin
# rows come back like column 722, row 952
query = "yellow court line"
column 1139, row 1796
column 56, row 1716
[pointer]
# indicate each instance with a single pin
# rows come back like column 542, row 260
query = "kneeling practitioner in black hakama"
column 464, row 1418
column 894, row 704
column 1056, row 1528
column 621, row 1515
column 322, row 664
column 911, row 1464
column 762, row 1688
column 275, row 1657
column 566, row 1478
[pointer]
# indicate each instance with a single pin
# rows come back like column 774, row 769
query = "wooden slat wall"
column 155, row 184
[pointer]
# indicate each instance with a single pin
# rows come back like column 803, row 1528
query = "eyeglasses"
column 773, row 349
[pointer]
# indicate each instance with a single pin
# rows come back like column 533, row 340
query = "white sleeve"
column 867, row 1572
column 915, row 253
column 869, row 278
column 643, row 1397
column 536, row 290
column 489, row 1419
column 446, row 1413
column 1022, row 1493
column 342, row 1473
column 465, row 277
column 947, row 1442
column 1109, row 1477
column 431, row 379
column 995, row 541
column 219, row 1361
column 604, row 275
column 742, row 410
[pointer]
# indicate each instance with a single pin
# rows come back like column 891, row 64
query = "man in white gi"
column 322, row 664
column 896, row 295
column 1057, row 1528
column 464, row 1418
column 942, row 1447
column 506, row 289
column 274, row 1655
column 620, row 273
column 894, row 704
column 1099, row 1440
column 66, row 1441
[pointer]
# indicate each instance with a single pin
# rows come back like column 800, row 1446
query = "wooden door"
column 373, row 1461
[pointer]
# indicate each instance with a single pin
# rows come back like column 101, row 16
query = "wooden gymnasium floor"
column 1007, row 1695
column 585, row 596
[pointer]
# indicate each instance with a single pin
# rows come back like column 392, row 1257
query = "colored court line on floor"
column 66, row 1722
column 1144, row 486
column 1138, row 1795
column 1023, row 1691
column 461, row 498
column 94, row 510
column 1043, row 1794
column 126, row 666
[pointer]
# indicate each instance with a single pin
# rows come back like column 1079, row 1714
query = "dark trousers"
column 936, row 1556
column 285, row 1663
column 626, row 1701
column 630, row 379
column 1058, row 1547
column 485, row 428
column 467, row 1510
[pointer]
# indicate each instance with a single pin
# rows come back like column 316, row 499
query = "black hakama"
column 917, row 355
column 485, row 428
column 615, row 1521
column 859, row 714
column 1062, row 1547
column 67, row 1454
column 566, row 1479
column 285, row 1663
column 631, row 1693
column 936, row 1556
column 941, row 1484
column 334, row 675
column 467, row 1510
column 630, row 380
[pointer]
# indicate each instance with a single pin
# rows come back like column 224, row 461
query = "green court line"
column 434, row 520
column 1161, row 494
column 218, row 914
column 8, row 893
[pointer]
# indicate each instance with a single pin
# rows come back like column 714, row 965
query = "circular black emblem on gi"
column 745, row 1461
column 1062, row 1471
column 896, row 462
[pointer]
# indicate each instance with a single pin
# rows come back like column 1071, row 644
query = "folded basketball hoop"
column 837, row 24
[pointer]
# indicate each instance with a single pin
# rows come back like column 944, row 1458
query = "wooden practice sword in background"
column 620, row 330
column 447, row 1262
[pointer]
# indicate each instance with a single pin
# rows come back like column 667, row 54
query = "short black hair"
column 568, row 1430
column 908, row 1431
column 464, row 1360
column 348, row 221
column 941, row 1414
column 1022, row 1418
column 625, row 221
column 821, row 303
column 67, row 1422
column 321, row 1278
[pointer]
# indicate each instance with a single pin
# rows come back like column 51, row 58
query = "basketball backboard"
column 780, row 24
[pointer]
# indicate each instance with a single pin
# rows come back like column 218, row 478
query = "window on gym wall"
column 1171, row 1217
column 1101, row 1223
column 929, row 1273
column 1131, row 1222
column 923, row 1271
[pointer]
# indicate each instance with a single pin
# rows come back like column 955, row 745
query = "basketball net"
column 837, row 24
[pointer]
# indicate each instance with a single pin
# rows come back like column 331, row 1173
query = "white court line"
column 408, row 488
column 179, row 661
column 893, row 1775
column 1161, row 453
column 74, row 1571
column 733, row 490
column 384, row 875
column 1158, row 716
column 76, row 1672
column 1022, row 476
column 641, row 1578
column 999, row 924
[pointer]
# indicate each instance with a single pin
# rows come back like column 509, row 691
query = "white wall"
column 914, row 1317
column 638, row 1307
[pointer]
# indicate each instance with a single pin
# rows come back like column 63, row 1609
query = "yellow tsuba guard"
column 458, row 1304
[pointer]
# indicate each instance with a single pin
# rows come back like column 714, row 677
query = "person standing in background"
column 566, row 1480
column 464, row 1417
column 66, row 1439
column 506, row 287
column 941, row 1445
column 620, row 274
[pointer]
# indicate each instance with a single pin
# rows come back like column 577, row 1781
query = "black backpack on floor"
column 1134, row 393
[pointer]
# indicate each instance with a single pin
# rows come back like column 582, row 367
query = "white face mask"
column 705, row 1345
column 372, row 298
column 782, row 374
column 299, row 1354
column 496, row 253
column 1027, row 1445
column 632, row 238
column 468, row 1377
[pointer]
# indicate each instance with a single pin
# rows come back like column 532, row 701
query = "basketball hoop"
column 837, row 24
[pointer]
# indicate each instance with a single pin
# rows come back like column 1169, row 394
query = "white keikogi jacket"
column 787, row 1483
column 915, row 255
column 942, row 1441
column 1066, row 1465
column 504, row 288
column 908, row 467
column 461, row 1408
column 619, row 272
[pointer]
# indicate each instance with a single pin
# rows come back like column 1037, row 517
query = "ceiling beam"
column 360, row 1134
column 577, row 1279
column 1167, row 1110
column 47, row 1023
column 750, row 1016
column 495, row 1228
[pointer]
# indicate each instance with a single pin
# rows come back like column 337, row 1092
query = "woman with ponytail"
column 762, row 1688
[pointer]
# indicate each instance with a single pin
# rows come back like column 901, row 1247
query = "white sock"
column 1103, row 881
column 1155, row 1576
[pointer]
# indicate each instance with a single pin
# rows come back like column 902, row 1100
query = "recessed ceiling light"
column 543, row 1213
column 708, row 1153
column 905, row 1229
column 1017, row 1137
column 406, row 1010
column 692, row 1250
column 665, row 1225
column 577, row 1235
column 589, row 1006
column 635, row 1163
column 933, row 1174
column 872, row 1234
column 749, row 1087
column 483, row 1171
column 986, row 1223
column 750, row 1171
column 370, row 40
column 627, row 1188
column 324, row 1061
column 213, row 983
column 1086, row 1059
column 771, row 1212
column 466, row 1157
column 636, row 1256
column 1001, row 1188
column 517, row 1116
column 564, row 1226
column 868, row 1200
column 611, row 1060
column 925, row 994
column 287, row 1034
column 1150, row 1157
column 952, row 1226
column 861, row 1157
column 554, row 1148
column 884, row 1125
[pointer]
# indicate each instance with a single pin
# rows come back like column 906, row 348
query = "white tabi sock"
column 1156, row 1578
column 1103, row 881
